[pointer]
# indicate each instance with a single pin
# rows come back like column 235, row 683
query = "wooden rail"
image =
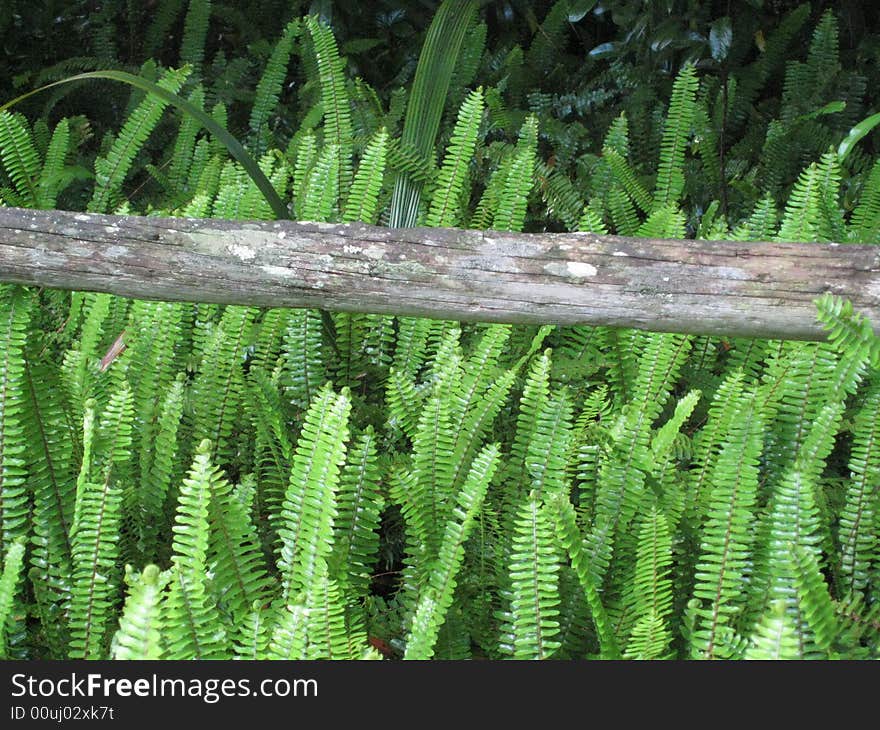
column 704, row 287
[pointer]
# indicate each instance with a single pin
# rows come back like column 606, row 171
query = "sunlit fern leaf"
column 664, row 222
column 360, row 502
column 437, row 596
column 802, row 219
column 651, row 597
column 15, row 314
column 513, row 197
column 334, row 100
column 533, row 565
column 195, row 31
column 235, row 558
column 195, row 628
column 251, row 640
column 363, row 199
column 850, row 332
column 856, row 535
column 140, row 626
column 289, row 635
column 411, row 345
column 269, row 87
column 451, row 184
column 546, row 456
column 309, row 507
column 403, row 403
column 727, row 534
column 95, row 532
column 793, row 521
column 321, row 194
column 303, row 372
column 571, row 539
column 773, row 637
column 329, row 636
column 13, row 561
column 112, row 169
column 676, row 131
column 814, row 601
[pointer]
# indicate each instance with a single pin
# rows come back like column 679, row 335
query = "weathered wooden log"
column 703, row 287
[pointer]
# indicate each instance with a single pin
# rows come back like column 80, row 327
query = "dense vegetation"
column 303, row 484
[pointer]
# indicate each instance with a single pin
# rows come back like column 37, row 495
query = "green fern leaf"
column 13, row 560
column 450, row 191
column 140, row 627
column 676, row 131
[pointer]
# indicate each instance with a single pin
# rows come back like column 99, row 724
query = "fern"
column 309, row 507
column 435, row 600
column 189, row 606
column 140, row 627
column 94, row 539
column 679, row 120
column 356, row 540
column 269, row 87
column 534, row 599
column 112, row 169
column 195, row 31
column 513, row 196
column 727, row 535
column 15, row 306
column 450, row 190
column 363, row 198
column 652, row 591
column 334, row 99
column 13, row 560
column 20, row 159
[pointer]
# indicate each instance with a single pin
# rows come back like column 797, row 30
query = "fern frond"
column 321, row 195
column 303, row 372
column 774, row 636
column 727, row 535
column 195, row 31
column 572, row 541
column 309, row 508
column 20, row 158
column 513, row 197
column 334, row 99
column 857, row 535
column 196, row 630
column 15, row 314
column 52, row 176
column 450, row 190
column 360, row 503
column 13, row 560
column 95, row 531
column 534, row 595
column 363, row 198
column 437, row 596
column 651, row 595
column 676, row 131
column 141, row 627
column 112, row 169
column 269, row 87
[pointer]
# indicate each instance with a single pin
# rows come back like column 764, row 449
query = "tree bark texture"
column 762, row 290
